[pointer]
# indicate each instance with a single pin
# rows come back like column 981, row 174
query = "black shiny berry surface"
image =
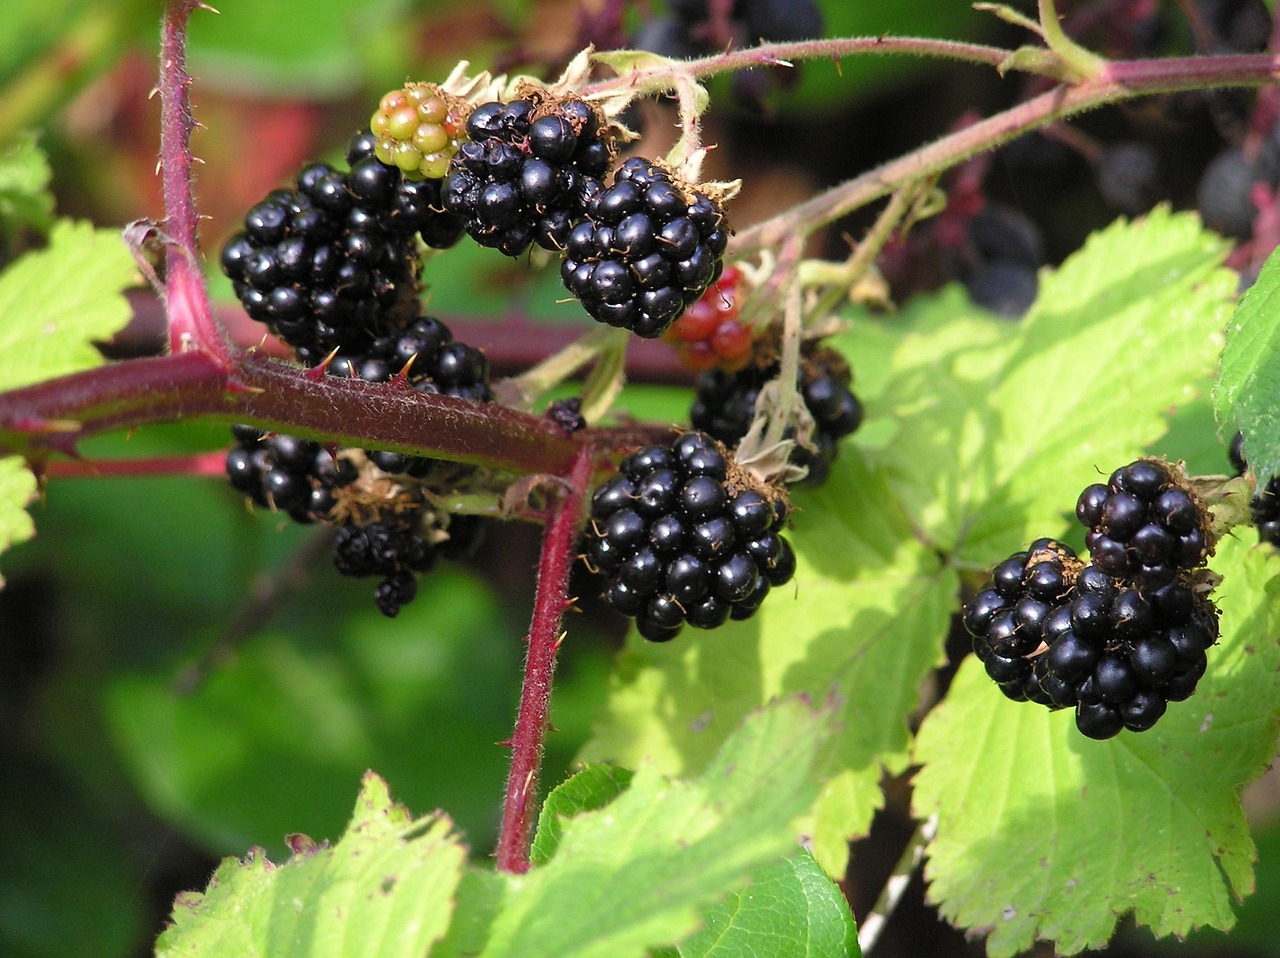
column 675, row 544
column 645, row 250
column 1143, row 526
column 1264, row 507
column 1051, row 630
column 527, row 172
column 331, row 263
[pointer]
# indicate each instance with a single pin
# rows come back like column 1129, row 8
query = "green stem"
column 1080, row 62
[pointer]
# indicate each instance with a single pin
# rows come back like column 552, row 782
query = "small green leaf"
column 24, row 185
column 1247, row 397
column 790, row 908
column 57, row 300
column 385, row 890
column 594, row 787
column 633, row 874
column 1043, row 833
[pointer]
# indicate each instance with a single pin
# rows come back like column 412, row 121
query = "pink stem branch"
column 191, row 320
column 550, row 602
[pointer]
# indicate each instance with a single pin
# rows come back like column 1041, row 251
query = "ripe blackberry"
column 418, row 129
column 1264, row 507
column 725, row 402
column 405, row 205
column 332, row 262
column 645, row 251
column 1066, row 635
column 677, row 542
column 709, row 334
column 1143, row 525
column 527, row 172
column 393, row 550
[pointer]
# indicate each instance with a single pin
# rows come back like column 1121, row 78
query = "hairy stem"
column 550, row 602
column 191, row 320
column 782, row 54
column 1117, row 82
column 52, row 416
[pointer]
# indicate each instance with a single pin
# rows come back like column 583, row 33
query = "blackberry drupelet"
column 724, row 405
column 527, row 172
column 645, row 251
column 677, row 543
column 1143, row 525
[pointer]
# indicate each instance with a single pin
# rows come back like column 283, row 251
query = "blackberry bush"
column 679, row 539
column 646, row 250
column 527, row 171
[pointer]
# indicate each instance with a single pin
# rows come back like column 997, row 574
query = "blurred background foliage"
column 181, row 679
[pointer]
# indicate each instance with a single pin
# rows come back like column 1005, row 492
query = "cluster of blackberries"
column 1264, row 507
column 645, row 250
column 1143, row 526
column 678, row 541
column 1117, row 639
column 525, row 173
column 695, row 28
column 725, row 403
column 332, row 263
column 1051, row 630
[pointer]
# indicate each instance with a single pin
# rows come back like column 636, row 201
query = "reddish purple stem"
column 559, row 549
column 191, row 321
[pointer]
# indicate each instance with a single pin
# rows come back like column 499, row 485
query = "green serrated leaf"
column 594, row 787
column 1043, row 833
column 1247, row 397
column 24, row 185
column 790, row 908
column 633, row 874
column 385, row 890
column 57, row 300
column 864, row 618
column 985, row 409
